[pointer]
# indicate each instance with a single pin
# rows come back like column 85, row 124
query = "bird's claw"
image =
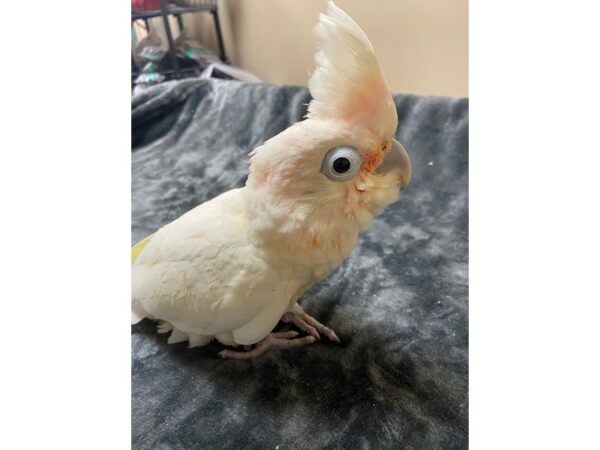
column 287, row 339
column 308, row 324
column 281, row 340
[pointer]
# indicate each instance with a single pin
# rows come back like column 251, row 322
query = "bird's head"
column 342, row 163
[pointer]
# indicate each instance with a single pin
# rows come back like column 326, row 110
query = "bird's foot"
column 309, row 324
column 282, row 340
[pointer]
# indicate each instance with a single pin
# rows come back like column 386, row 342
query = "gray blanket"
column 399, row 303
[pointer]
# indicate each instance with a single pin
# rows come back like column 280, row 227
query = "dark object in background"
column 149, row 53
column 399, row 303
column 175, row 69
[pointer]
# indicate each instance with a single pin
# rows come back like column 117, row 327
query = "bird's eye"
column 341, row 163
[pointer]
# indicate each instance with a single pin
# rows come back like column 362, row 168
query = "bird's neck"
column 300, row 235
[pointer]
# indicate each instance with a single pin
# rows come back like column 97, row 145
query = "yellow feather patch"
column 137, row 248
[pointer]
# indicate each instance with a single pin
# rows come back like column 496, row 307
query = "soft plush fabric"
column 399, row 303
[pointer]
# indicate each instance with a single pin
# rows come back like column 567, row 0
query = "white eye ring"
column 341, row 163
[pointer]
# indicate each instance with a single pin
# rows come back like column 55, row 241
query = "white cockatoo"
column 233, row 267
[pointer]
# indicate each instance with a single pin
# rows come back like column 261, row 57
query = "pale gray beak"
column 397, row 160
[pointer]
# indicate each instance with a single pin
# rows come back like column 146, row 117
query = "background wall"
column 422, row 45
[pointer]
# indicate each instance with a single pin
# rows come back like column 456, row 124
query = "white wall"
column 422, row 45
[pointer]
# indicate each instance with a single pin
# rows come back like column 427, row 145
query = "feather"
column 262, row 323
column 177, row 336
column 225, row 338
column 136, row 317
column 347, row 83
column 137, row 312
column 197, row 340
column 137, row 248
column 163, row 327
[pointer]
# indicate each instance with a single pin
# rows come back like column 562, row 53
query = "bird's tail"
column 137, row 313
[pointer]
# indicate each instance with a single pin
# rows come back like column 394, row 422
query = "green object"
column 150, row 67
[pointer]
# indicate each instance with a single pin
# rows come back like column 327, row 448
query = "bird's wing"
column 137, row 248
column 202, row 274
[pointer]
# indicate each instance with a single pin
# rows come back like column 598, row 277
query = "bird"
column 235, row 266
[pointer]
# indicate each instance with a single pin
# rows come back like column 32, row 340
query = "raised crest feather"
column 347, row 83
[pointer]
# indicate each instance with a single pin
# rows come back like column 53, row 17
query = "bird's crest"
column 347, row 82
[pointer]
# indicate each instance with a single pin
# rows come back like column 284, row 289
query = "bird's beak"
column 397, row 160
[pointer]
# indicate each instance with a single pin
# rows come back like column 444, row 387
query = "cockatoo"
column 233, row 267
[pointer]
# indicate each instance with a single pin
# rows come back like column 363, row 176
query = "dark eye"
column 341, row 163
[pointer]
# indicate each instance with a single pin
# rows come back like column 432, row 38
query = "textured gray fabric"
column 399, row 303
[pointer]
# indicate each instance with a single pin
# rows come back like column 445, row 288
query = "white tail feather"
column 137, row 313
column 163, row 327
column 177, row 336
column 197, row 340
